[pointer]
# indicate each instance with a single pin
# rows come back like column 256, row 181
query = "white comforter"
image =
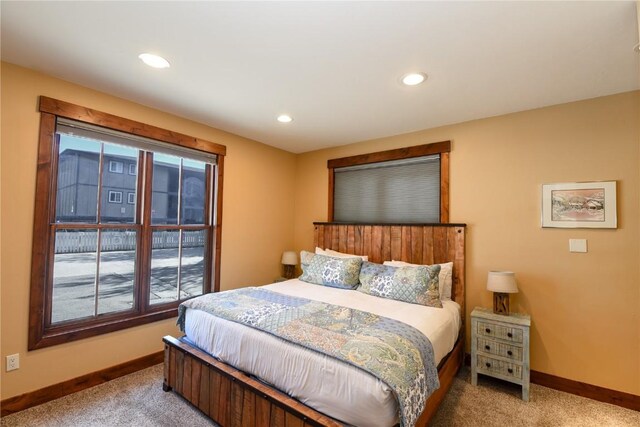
column 328, row 385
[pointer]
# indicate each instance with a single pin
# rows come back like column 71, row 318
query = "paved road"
column 74, row 280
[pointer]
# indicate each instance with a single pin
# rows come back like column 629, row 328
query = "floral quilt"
column 396, row 353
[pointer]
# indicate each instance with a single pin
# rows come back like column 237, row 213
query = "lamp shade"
column 289, row 258
column 502, row 281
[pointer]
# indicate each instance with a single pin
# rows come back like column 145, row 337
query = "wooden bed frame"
column 232, row 398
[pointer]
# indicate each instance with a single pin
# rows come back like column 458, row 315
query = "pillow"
column 330, row 271
column 445, row 280
column 335, row 254
column 417, row 285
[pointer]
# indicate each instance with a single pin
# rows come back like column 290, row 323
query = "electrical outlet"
column 13, row 362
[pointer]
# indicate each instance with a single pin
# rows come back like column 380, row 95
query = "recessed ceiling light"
column 413, row 79
column 284, row 118
column 154, row 61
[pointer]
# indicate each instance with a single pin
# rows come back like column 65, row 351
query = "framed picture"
column 579, row 205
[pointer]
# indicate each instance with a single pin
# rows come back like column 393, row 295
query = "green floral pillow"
column 418, row 285
column 329, row 271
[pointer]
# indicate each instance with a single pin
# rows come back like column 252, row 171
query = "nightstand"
column 500, row 347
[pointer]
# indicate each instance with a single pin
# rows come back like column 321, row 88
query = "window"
column 115, row 166
column 115, row 196
column 407, row 185
column 98, row 265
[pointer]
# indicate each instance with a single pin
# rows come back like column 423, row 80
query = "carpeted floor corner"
column 498, row 403
column 138, row 400
column 133, row 400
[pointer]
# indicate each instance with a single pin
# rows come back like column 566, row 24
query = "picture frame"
column 579, row 205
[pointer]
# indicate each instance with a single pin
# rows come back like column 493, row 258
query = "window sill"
column 65, row 334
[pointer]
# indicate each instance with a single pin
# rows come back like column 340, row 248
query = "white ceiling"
column 333, row 66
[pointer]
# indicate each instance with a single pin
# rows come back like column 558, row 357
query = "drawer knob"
column 486, row 347
column 510, row 353
column 487, row 330
column 509, row 334
column 488, row 364
column 510, row 370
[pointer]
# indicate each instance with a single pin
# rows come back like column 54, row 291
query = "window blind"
column 397, row 191
column 86, row 130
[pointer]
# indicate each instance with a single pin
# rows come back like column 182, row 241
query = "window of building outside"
column 115, row 196
column 101, row 264
column 404, row 186
column 115, row 166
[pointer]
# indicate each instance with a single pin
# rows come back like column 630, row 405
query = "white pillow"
column 335, row 254
column 445, row 280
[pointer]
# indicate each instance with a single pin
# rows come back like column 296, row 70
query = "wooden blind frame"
column 41, row 333
column 442, row 148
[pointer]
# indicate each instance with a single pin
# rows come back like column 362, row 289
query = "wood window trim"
column 98, row 118
column 40, row 334
column 443, row 148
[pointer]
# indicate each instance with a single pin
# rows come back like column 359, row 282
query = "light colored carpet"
column 498, row 403
column 138, row 400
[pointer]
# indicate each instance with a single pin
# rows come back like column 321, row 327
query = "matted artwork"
column 579, row 205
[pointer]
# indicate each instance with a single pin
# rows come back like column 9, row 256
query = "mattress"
column 330, row 386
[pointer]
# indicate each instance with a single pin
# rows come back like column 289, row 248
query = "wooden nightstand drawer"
column 499, row 349
column 498, row 331
column 499, row 367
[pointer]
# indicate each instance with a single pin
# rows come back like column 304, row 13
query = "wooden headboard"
column 414, row 243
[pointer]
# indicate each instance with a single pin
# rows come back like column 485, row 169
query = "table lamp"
column 289, row 262
column 501, row 283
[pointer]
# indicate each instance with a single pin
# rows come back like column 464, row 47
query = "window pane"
column 192, row 265
column 74, row 274
column 115, row 166
column 402, row 191
column 164, row 266
column 116, row 184
column 193, row 192
column 78, row 170
column 117, row 270
column 166, row 177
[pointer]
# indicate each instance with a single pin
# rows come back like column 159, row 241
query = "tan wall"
column 258, row 208
column 585, row 308
column 638, row 16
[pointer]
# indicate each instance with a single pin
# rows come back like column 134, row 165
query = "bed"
column 231, row 396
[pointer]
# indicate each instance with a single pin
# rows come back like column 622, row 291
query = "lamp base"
column 501, row 303
column 289, row 271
